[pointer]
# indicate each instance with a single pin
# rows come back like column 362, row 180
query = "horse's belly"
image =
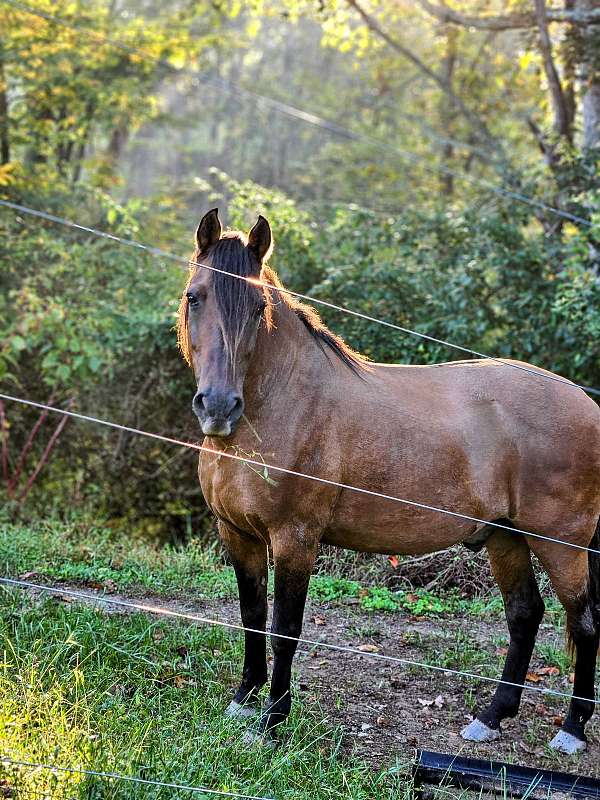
column 401, row 536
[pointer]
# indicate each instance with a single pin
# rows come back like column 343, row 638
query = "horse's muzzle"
column 218, row 411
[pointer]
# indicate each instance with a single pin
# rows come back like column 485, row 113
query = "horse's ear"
column 260, row 240
column 209, row 230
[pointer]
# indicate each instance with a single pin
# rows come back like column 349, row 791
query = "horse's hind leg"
column 249, row 558
column 510, row 559
column 576, row 579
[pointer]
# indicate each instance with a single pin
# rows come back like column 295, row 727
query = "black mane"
column 239, row 300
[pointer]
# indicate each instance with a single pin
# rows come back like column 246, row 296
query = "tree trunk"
column 4, row 138
column 447, row 110
column 590, row 77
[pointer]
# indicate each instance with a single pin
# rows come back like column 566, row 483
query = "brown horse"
column 476, row 437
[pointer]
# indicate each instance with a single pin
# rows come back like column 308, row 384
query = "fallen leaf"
column 502, row 651
column 533, row 677
column 26, row 575
column 549, row 671
column 394, row 561
column 425, row 702
column 319, row 620
column 181, row 681
column 439, row 701
column 558, row 721
column 384, row 722
column 368, row 648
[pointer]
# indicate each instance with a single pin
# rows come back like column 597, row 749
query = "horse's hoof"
column 478, row 731
column 236, row 710
column 568, row 744
column 257, row 739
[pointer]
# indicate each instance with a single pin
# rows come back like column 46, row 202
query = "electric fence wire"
column 160, row 253
column 313, row 643
column 308, row 117
column 131, row 779
column 294, row 473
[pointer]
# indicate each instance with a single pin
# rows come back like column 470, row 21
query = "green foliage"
column 88, row 322
column 122, row 694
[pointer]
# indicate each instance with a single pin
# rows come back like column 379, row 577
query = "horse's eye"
column 192, row 299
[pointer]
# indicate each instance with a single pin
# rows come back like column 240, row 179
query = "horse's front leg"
column 250, row 562
column 294, row 552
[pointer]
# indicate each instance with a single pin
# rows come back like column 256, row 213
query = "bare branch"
column 511, row 21
column 433, row 76
column 561, row 111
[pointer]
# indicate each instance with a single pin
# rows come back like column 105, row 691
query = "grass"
column 122, row 694
column 133, row 695
column 80, row 552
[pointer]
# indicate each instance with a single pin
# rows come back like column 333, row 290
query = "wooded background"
column 398, row 200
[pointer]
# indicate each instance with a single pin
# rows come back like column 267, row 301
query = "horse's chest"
column 227, row 490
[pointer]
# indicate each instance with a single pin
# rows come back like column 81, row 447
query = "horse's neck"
column 286, row 361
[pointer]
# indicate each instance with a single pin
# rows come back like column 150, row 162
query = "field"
column 91, row 686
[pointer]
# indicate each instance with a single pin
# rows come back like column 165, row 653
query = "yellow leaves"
column 569, row 230
column 525, row 60
column 253, row 27
column 7, row 173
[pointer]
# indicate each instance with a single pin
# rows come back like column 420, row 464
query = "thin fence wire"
column 309, row 117
column 160, row 253
column 130, row 779
column 262, row 465
column 313, row 643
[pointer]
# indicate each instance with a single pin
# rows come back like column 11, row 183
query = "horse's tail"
column 594, row 570
column 591, row 598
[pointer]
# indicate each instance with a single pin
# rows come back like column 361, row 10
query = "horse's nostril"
column 237, row 404
column 198, row 402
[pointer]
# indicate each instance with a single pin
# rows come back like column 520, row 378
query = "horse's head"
column 219, row 318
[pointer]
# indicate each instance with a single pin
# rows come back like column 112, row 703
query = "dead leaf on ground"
column 548, row 671
column 368, row 648
column 319, row 620
column 533, row 677
column 526, row 748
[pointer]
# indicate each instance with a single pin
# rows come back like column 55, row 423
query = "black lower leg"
column 253, row 607
column 249, row 558
column 524, row 609
column 585, row 634
column 291, row 585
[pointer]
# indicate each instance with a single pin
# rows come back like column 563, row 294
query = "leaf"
column 18, row 343
column 548, row 671
column 368, row 648
column 533, row 677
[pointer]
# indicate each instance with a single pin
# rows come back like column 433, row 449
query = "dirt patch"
column 388, row 710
